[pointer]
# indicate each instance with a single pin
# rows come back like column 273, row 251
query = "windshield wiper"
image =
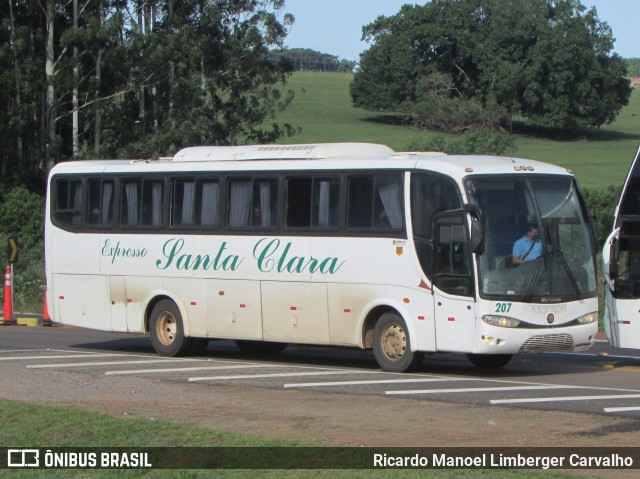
column 533, row 276
column 547, row 259
column 560, row 255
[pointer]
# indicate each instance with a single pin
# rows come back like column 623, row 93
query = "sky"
column 335, row 26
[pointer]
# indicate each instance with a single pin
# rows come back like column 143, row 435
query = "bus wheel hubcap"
column 166, row 328
column 394, row 342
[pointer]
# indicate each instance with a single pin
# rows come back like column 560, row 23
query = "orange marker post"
column 8, row 303
column 46, row 319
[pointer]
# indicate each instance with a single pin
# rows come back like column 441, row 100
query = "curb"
column 24, row 319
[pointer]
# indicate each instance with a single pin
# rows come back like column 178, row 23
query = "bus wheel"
column 489, row 361
column 259, row 347
column 391, row 346
column 167, row 331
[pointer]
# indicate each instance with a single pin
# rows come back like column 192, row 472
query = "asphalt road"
column 599, row 381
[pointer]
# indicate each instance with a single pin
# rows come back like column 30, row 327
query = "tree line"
column 457, row 65
column 633, row 67
column 306, row 59
column 136, row 78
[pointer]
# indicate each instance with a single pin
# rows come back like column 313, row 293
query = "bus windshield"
column 538, row 244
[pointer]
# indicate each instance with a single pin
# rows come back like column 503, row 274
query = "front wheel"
column 392, row 346
column 167, row 330
column 489, row 361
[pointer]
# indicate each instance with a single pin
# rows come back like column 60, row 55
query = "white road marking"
column 381, row 381
column 197, row 368
column 593, row 355
column 6, row 351
column 62, row 356
column 476, row 390
column 274, row 375
column 109, row 363
column 622, row 409
column 565, row 398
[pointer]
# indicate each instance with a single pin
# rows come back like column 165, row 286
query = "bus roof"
column 283, row 152
column 335, row 156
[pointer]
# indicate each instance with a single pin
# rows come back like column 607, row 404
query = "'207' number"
column 503, row 307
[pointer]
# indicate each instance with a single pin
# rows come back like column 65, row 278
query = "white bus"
column 341, row 244
column 621, row 266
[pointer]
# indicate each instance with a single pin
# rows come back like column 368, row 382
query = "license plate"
column 582, row 347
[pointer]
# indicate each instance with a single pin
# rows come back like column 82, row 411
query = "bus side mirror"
column 477, row 228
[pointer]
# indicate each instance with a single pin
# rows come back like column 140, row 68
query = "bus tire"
column 489, row 361
column 167, row 330
column 392, row 346
column 259, row 347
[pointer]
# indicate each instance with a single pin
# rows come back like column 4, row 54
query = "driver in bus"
column 527, row 248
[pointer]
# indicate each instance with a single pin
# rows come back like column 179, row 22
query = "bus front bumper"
column 499, row 340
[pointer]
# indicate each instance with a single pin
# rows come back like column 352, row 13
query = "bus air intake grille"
column 548, row 342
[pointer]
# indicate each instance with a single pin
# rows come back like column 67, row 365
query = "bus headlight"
column 502, row 321
column 587, row 318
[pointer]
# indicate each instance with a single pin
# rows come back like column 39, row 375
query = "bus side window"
column 312, row 202
column 325, row 202
column 299, row 202
column 375, row 201
column 142, row 202
column 152, row 203
column 265, row 203
column 360, row 208
column 195, row 203
column 183, row 202
column 252, row 202
column 130, row 202
column 100, row 204
column 208, row 203
column 68, row 203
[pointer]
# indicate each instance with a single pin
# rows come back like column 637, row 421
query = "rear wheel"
column 259, row 347
column 167, row 330
column 392, row 346
column 489, row 361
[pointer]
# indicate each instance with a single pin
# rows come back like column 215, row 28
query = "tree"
column 112, row 78
column 482, row 62
column 22, row 87
column 204, row 76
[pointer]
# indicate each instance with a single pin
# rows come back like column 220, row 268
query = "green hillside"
column 322, row 109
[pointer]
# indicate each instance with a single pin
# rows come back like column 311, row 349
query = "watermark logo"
column 23, row 458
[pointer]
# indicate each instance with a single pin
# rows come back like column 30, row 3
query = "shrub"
column 480, row 142
column 22, row 217
column 602, row 203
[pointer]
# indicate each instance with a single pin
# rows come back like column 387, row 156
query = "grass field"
column 322, row 109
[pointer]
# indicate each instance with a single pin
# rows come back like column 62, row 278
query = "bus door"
column 622, row 286
column 453, row 289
